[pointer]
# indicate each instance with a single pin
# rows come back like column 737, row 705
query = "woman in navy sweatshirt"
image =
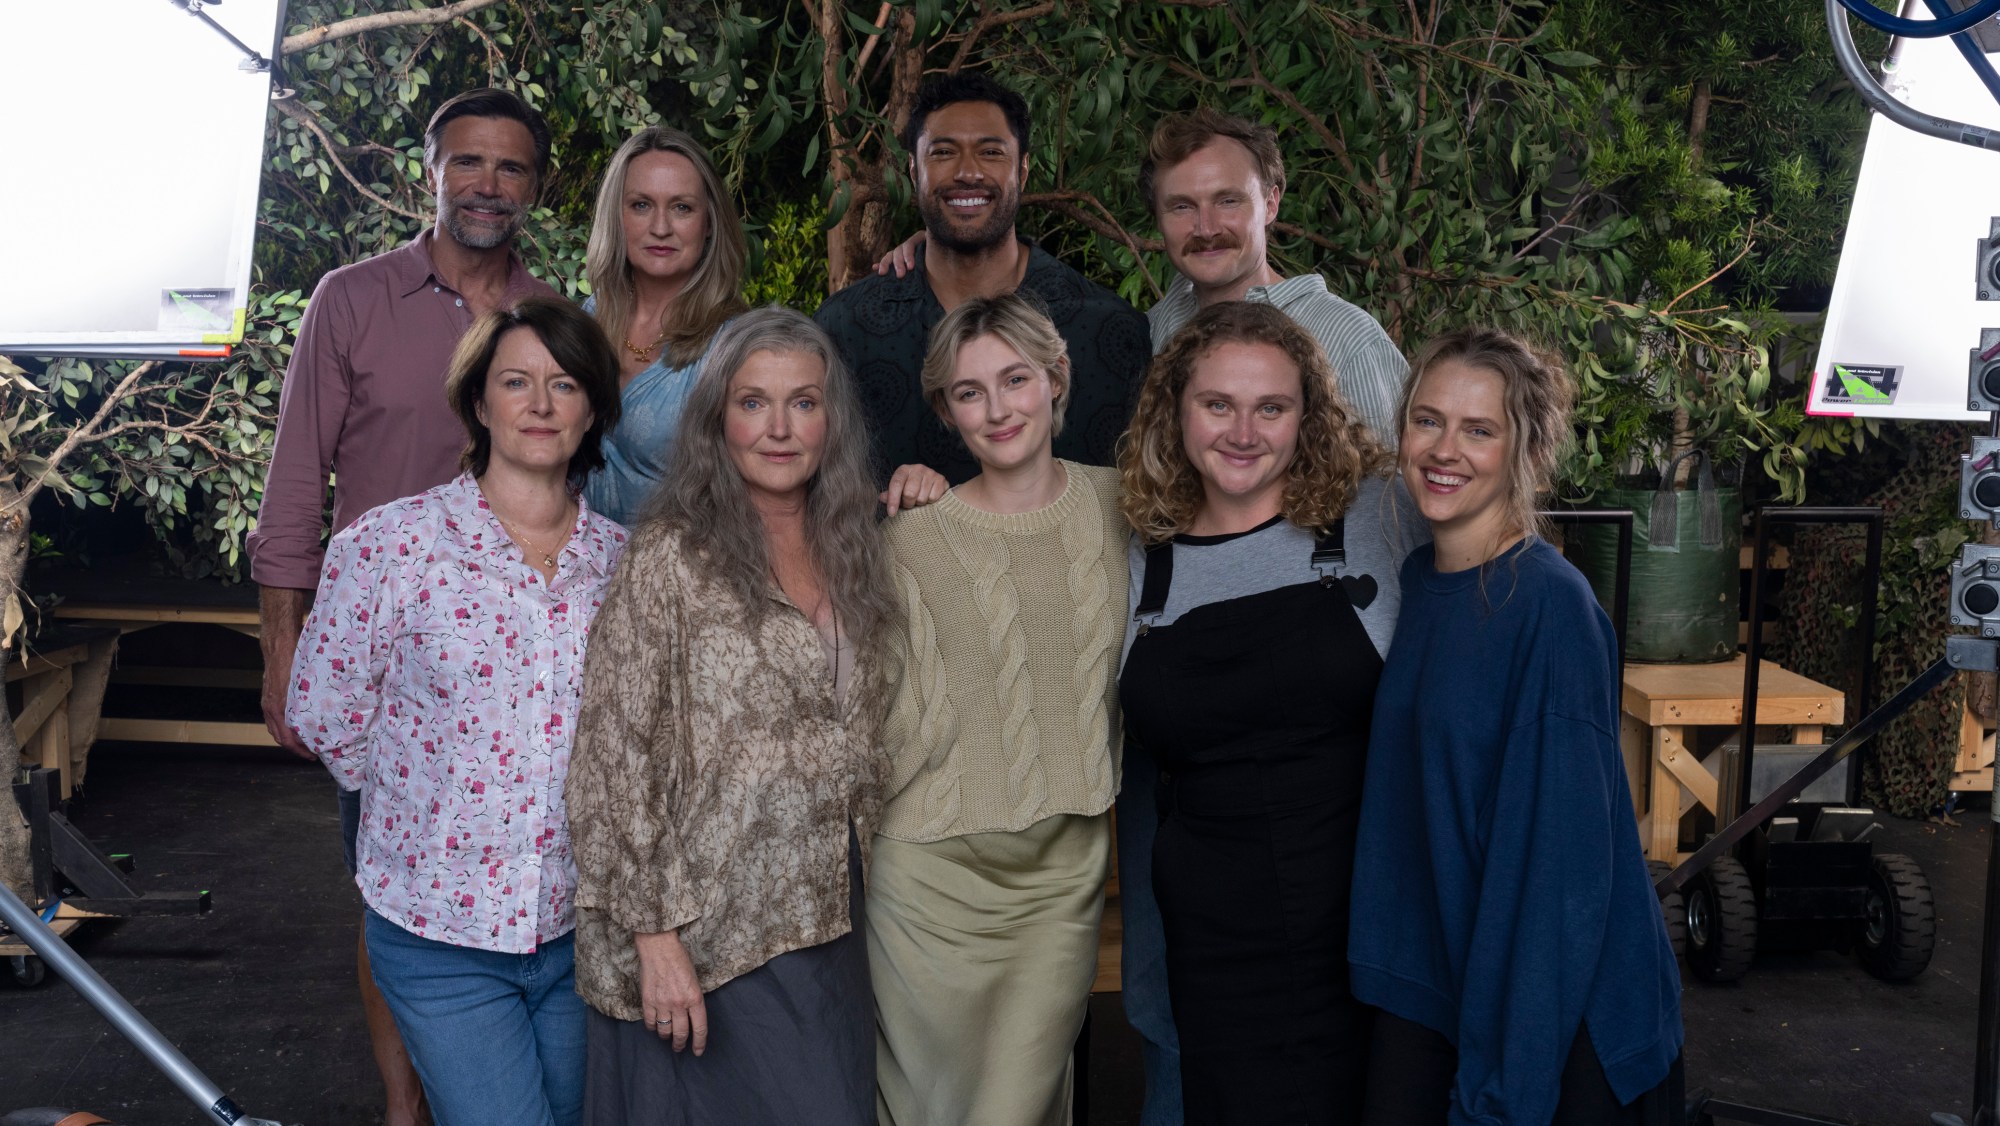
column 1503, row 919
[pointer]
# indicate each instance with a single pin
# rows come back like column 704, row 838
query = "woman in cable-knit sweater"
column 990, row 864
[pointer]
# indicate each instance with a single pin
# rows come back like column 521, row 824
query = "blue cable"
column 1922, row 29
column 49, row 915
column 1967, row 46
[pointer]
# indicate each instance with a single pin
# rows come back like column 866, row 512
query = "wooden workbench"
column 59, row 684
column 134, row 601
column 1660, row 704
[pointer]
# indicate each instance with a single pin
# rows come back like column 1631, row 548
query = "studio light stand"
column 1975, row 575
column 252, row 61
column 29, row 928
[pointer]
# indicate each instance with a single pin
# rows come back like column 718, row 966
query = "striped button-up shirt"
column 1367, row 365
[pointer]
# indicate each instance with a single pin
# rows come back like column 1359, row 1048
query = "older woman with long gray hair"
column 727, row 778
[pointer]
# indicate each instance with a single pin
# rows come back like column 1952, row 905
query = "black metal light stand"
column 1736, row 783
column 1621, row 588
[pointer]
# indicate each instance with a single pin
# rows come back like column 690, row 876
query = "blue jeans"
column 1147, row 1006
column 497, row 1038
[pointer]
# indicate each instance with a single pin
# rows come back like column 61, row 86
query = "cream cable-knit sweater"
column 1005, row 711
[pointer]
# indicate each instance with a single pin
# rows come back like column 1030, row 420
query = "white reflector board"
column 1905, row 315
column 134, row 140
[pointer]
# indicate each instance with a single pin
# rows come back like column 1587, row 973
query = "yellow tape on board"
column 235, row 333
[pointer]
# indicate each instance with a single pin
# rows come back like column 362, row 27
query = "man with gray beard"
column 364, row 397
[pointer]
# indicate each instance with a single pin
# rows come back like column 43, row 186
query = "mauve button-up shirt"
column 441, row 675
column 364, row 397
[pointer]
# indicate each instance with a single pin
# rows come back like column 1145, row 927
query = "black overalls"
column 1256, row 710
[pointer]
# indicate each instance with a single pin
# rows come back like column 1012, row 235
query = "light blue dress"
column 638, row 450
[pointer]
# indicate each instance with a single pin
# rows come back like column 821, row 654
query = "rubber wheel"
column 1899, row 928
column 1721, row 922
column 1673, row 906
column 29, row 971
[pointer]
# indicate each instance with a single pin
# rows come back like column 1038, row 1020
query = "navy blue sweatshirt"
column 1500, row 895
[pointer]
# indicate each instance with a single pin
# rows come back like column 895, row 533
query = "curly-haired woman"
column 1264, row 592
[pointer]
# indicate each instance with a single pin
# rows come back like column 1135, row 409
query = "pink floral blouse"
column 439, row 674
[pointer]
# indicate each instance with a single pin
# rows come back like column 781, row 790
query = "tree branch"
column 88, row 432
column 1070, row 203
column 496, row 59
column 291, row 108
column 362, row 25
column 991, row 20
column 1749, row 240
column 868, row 48
column 1552, row 228
column 1314, row 237
column 1333, row 144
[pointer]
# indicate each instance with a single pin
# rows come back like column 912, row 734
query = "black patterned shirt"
column 882, row 326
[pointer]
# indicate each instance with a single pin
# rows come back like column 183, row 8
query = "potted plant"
column 1681, row 419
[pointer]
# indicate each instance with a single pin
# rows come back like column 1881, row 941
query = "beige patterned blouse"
column 713, row 778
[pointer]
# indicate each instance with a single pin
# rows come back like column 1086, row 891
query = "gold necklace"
column 639, row 353
column 548, row 557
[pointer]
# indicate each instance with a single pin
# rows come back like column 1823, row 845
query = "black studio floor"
column 260, row 994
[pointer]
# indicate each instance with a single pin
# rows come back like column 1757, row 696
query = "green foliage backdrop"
column 1627, row 184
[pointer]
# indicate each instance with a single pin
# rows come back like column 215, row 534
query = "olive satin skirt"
column 982, row 949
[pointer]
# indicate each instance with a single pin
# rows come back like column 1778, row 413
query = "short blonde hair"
column 1162, row 489
column 1020, row 323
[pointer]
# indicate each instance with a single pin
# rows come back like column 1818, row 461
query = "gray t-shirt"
column 1382, row 527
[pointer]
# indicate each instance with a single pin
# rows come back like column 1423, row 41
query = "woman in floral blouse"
column 727, row 776
column 440, row 674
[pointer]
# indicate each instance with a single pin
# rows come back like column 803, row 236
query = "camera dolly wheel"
column 1899, row 928
column 27, row 970
column 1721, row 921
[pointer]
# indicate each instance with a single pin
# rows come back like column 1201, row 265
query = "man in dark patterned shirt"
column 968, row 141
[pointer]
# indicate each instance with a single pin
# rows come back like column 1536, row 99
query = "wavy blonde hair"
column 712, row 294
column 1163, row 490
column 704, row 498
column 1019, row 321
column 1538, row 393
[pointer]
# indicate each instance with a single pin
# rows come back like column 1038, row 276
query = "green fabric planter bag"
column 1686, row 574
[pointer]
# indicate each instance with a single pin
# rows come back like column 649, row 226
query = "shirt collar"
column 415, row 268
column 1280, row 293
column 594, row 542
column 913, row 287
column 1290, row 289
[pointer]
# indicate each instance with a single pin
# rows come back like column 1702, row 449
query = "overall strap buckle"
column 1153, row 588
column 1329, row 557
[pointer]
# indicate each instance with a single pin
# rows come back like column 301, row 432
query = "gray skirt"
column 792, row 1041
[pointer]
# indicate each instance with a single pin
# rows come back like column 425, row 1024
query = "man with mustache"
column 968, row 142
column 364, row 396
column 1214, row 182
